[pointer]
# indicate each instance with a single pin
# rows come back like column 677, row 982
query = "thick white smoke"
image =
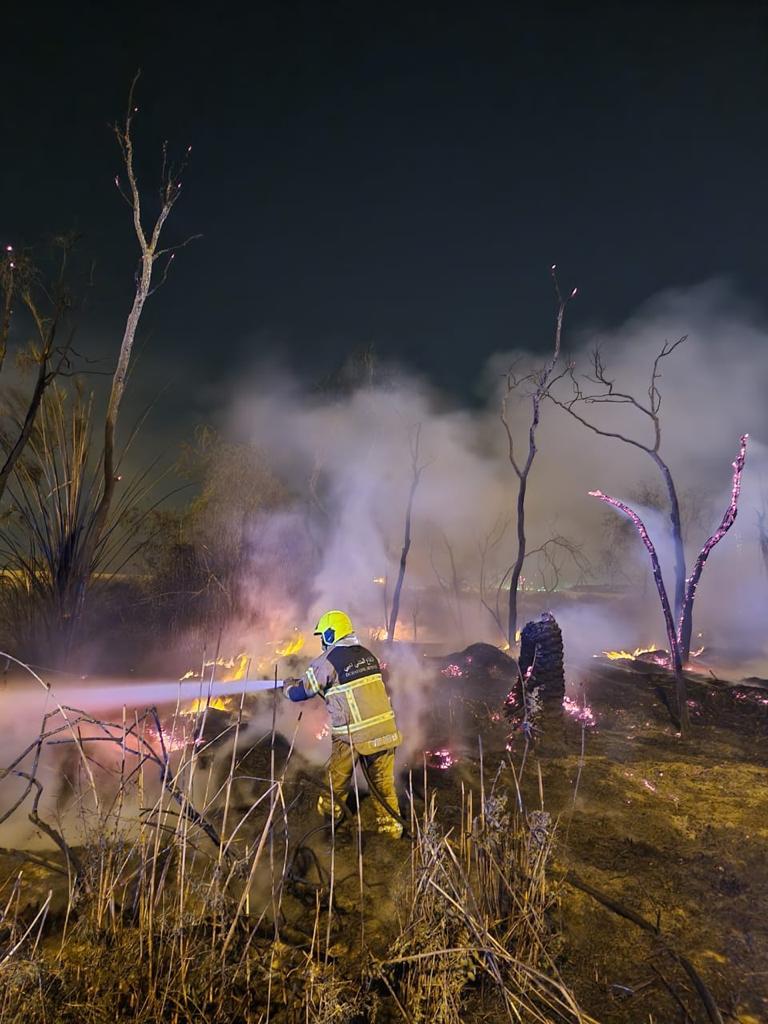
column 355, row 449
column 346, row 461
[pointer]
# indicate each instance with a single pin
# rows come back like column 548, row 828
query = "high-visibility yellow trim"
column 354, row 710
column 346, row 687
column 313, row 684
column 342, row 730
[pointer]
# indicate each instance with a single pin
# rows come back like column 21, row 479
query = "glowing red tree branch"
column 674, row 635
column 669, row 620
column 726, row 523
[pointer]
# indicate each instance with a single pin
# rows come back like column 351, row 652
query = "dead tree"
column 485, row 547
column 417, row 469
column 150, row 256
column 451, row 585
column 552, row 555
column 538, row 385
column 675, row 628
column 49, row 307
column 607, row 393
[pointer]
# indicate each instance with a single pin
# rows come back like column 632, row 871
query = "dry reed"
column 174, row 907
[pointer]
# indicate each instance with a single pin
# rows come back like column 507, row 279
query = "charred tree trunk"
column 517, row 568
column 682, row 615
column 540, row 382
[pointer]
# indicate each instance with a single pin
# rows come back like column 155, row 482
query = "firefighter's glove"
column 287, row 685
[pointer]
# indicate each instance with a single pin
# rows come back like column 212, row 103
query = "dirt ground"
column 674, row 831
column 677, row 832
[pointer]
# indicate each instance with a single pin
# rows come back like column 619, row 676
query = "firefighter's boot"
column 388, row 826
column 329, row 808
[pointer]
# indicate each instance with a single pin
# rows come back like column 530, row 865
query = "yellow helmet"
column 333, row 626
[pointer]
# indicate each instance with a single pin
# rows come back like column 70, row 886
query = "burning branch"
column 675, row 636
column 726, row 523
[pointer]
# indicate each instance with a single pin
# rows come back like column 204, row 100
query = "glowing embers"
column 581, row 712
column 751, row 696
column 442, row 759
column 452, row 671
column 174, row 738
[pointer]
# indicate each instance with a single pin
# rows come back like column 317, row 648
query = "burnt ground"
column 674, row 831
column 677, row 832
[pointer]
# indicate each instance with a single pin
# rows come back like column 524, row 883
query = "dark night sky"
column 396, row 173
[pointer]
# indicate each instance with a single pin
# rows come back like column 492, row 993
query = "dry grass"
column 174, row 901
column 478, row 923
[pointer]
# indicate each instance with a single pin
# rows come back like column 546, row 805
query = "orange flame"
column 626, row 655
column 292, row 646
column 236, row 668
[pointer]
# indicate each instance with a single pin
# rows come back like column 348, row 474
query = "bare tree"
column 485, row 548
column 450, row 584
column 675, row 630
column 552, row 557
column 150, row 255
column 604, row 391
column 49, row 307
column 536, row 386
column 417, row 469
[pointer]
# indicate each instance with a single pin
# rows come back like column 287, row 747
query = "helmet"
column 333, row 626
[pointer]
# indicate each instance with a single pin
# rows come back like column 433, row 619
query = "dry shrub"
column 477, row 921
column 173, row 905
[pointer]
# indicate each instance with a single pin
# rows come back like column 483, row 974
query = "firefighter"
column 348, row 678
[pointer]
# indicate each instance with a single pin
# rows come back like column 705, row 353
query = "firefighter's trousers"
column 380, row 768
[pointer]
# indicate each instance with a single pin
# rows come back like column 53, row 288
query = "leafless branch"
column 417, row 468
column 605, row 392
column 536, row 386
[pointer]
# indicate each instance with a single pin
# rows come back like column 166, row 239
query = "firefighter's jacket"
column 348, row 678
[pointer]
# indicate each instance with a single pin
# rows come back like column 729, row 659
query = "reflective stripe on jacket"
column 348, row 677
